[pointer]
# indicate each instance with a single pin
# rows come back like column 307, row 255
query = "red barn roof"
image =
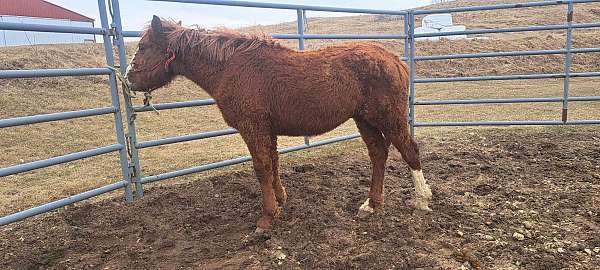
column 40, row 9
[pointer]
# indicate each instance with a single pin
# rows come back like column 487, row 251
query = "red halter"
column 168, row 62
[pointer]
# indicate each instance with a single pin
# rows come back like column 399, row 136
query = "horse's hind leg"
column 402, row 140
column 378, row 149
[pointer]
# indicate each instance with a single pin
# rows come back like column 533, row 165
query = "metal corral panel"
column 16, row 38
column 454, row 28
column 422, row 30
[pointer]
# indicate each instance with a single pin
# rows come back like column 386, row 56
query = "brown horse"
column 264, row 90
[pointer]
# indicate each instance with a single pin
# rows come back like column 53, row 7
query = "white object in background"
column 454, row 28
column 424, row 30
column 437, row 21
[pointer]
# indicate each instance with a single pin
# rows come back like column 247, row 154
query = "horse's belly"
column 308, row 123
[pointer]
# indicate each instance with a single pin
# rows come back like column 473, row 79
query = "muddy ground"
column 502, row 200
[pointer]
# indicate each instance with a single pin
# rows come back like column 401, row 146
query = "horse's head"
column 150, row 67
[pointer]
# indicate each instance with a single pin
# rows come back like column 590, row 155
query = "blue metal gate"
column 115, row 109
column 128, row 146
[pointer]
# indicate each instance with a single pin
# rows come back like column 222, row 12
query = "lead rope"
column 131, row 94
column 124, row 83
column 147, row 103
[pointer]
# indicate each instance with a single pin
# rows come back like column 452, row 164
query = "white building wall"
column 437, row 21
column 15, row 38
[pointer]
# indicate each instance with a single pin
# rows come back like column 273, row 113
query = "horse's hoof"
column 260, row 231
column 365, row 210
column 419, row 204
column 264, row 224
column 260, row 235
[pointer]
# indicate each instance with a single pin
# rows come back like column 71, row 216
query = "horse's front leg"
column 259, row 145
column 280, row 193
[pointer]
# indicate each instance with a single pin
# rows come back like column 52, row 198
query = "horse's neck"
column 204, row 74
column 207, row 74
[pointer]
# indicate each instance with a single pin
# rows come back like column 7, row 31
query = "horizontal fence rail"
column 504, row 54
column 127, row 144
column 307, row 36
column 42, row 118
column 502, row 100
column 59, row 160
column 508, row 77
column 286, row 6
column 175, row 105
column 509, row 30
column 336, row 36
column 186, row 138
column 502, row 6
column 51, row 28
column 57, row 72
column 507, row 123
column 61, row 203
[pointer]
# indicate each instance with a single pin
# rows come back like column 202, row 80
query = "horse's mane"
column 215, row 45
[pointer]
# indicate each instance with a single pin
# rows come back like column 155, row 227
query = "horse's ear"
column 157, row 28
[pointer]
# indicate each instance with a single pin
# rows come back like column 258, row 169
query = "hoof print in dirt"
column 259, row 236
column 304, row 168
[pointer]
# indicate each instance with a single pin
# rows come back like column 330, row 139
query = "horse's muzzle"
column 132, row 86
column 136, row 88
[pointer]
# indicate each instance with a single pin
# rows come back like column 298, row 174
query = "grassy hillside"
column 20, row 97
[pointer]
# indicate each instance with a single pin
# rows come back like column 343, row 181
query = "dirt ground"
column 503, row 199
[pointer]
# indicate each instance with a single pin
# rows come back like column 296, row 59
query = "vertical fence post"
column 135, row 168
column 411, row 64
column 300, row 30
column 568, row 63
column 406, row 39
column 114, row 93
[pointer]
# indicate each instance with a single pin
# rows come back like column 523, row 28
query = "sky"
column 137, row 13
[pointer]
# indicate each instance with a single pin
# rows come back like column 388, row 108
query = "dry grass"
column 21, row 97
